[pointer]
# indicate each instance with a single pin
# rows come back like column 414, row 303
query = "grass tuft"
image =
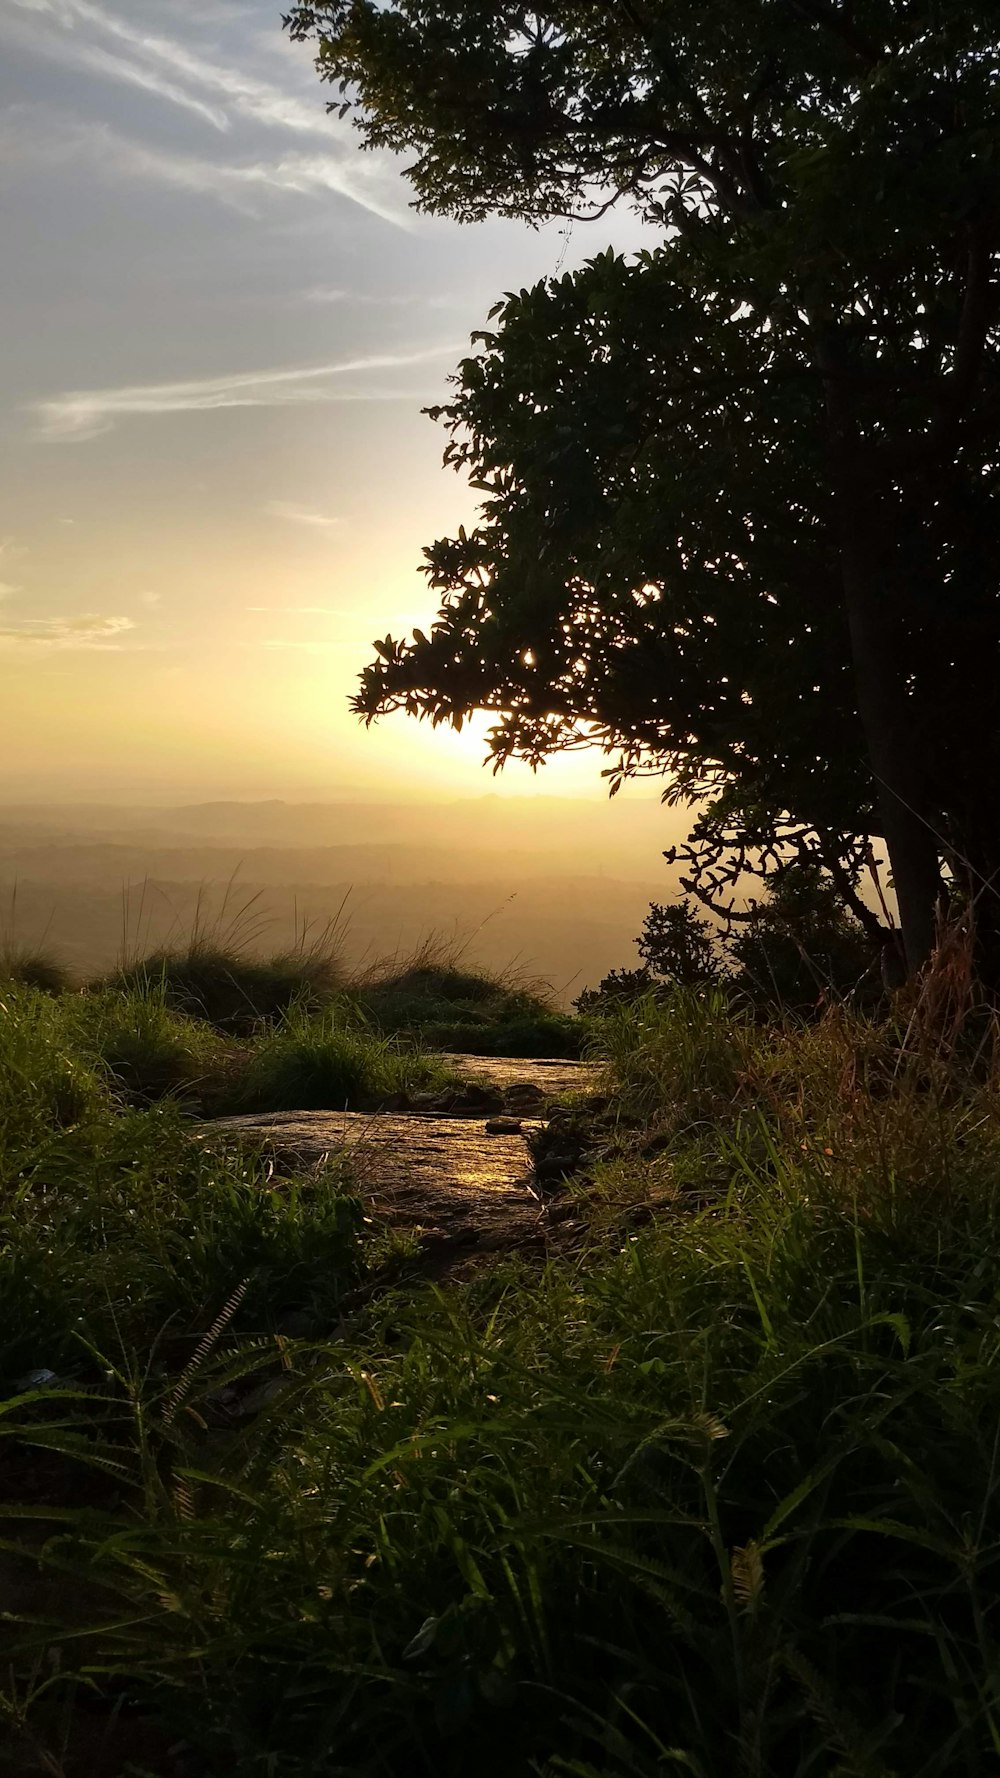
column 316, row 1064
column 436, row 997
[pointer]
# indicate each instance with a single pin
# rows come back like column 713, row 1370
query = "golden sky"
column 221, row 323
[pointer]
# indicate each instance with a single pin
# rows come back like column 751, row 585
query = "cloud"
column 304, row 610
column 167, row 68
column 299, row 515
column 85, row 413
column 7, row 591
column 86, row 631
column 383, row 299
column 320, row 293
column 31, row 133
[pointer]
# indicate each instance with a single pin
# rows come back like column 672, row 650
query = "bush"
column 619, row 987
column 801, row 946
column 717, row 1491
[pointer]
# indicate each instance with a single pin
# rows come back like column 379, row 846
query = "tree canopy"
column 739, row 494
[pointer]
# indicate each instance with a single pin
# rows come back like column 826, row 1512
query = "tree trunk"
column 911, row 843
column 867, row 559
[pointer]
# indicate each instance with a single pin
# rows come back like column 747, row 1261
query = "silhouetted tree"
column 678, row 945
column 740, row 496
column 800, row 947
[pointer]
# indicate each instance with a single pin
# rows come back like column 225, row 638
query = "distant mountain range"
column 561, row 884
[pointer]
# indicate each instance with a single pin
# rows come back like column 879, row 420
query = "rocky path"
column 462, row 1184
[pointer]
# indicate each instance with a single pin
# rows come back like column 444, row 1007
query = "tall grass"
column 117, row 1227
column 433, row 993
column 217, row 970
column 717, row 1494
column 29, row 962
column 325, row 1063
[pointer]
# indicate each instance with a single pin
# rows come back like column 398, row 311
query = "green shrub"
column 731, row 1492
column 716, row 1493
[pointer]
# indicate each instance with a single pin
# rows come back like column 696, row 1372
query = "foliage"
column 797, row 950
column 678, row 945
column 617, row 986
column 801, row 945
column 720, row 1493
column 149, row 1051
column 739, row 493
column 117, row 1229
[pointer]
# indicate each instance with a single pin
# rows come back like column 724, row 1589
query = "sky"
column 221, row 321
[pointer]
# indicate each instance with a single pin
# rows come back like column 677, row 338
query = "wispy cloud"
column 300, row 515
column 81, row 414
column 31, row 134
column 79, row 30
column 87, row 631
column 383, row 299
column 323, row 293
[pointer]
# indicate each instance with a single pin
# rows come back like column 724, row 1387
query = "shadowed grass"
column 316, row 1064
column 231, row 990
column 117, row 1226
column 218, row 972
column 717, row 1494
column 436, row 996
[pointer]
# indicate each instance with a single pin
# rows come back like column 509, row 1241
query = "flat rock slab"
column 444, row 1176
column 553, row 1078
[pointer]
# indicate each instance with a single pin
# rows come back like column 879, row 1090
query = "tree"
column 800, row 946
column 678, row 945
column 758, row 461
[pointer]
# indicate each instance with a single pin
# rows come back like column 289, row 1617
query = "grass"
column 315, row 1064
column 719, row 1492
column 119, row 1232
column 434, row 996
column 29, row 963
column 147, row 1054
column 231, row 990
column 216, row 970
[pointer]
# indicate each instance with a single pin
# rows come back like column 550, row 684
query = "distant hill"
column 561, row 885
